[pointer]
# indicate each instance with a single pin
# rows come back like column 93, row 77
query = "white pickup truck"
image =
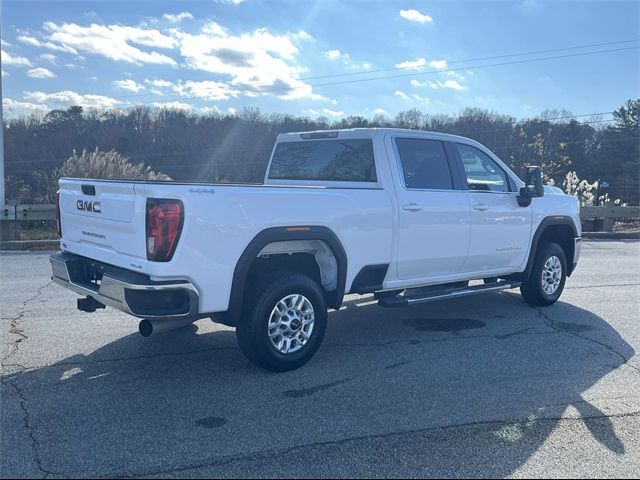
column 409, row 216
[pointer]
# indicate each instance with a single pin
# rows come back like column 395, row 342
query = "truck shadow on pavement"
column 471, row 387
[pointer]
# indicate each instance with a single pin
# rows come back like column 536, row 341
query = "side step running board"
column 408, row 299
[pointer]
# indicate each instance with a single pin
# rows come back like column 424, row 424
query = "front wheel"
column 548, row 276
column 285, row 323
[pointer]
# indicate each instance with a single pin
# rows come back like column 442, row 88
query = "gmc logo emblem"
column 87, row 206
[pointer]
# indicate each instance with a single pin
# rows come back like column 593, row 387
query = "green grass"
column 38, row 230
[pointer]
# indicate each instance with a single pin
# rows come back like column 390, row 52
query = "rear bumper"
column 130, row 292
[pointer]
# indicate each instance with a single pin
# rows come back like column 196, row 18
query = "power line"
column 396, row 68
column 535, row 52
column 515, row 62
column 384, row 77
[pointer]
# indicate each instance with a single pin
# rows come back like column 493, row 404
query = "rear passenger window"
column 331, row 160
column 424, row 164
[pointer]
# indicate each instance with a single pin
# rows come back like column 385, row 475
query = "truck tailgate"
column 102, row 217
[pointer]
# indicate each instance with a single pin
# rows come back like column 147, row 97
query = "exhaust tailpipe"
column 149, row 327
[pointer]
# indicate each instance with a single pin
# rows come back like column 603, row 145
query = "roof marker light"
column 310, row 135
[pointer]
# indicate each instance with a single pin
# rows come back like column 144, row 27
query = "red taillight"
column 58, row 223
column 164, row 224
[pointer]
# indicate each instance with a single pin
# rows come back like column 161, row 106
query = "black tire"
column 252, row 330
column 532, row 290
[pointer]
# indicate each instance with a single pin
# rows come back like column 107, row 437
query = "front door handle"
column 481, row 207
column 412, row 207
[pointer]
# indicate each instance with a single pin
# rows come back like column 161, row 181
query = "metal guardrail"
column 11, row 217
column 609, row 212
column 48, row 212
column 29, row 212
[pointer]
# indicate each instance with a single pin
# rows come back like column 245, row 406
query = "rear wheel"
column 285, row 323
column 548, row 276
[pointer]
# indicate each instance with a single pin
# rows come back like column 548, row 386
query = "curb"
column 611, row 235
column 33, row 245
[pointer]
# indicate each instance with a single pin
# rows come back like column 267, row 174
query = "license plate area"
column 86, row 273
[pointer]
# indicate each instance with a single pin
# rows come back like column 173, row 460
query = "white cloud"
column 252, row 63
column 177, row 18
column 159, row 83
column 213, row 28
column 380, row 111
column 207, row 89
column 302, row 35
column 231, row 111
column 69, row 97
column 415, row 16
column 29, row 40
column 420, row 98
column 333, row 113
column 113, row 41
column 14, row 61
column 346, row 60
column 212, row 109
column 5, row 74
column 13, row 105
column 439, row 64
column 401, row 94
column 34, row 42
column 258, row 62
column 427, row 84
column 335, row 54
column 358, row 66
column 40, row 72
column 173, row 105
column 49, row 57
column 452, row 84
column 454, row 75
column 421, row 62
column 128, row 85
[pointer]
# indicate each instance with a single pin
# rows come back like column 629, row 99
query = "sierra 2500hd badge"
column 87, row 206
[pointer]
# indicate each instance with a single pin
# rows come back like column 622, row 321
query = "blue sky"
column 222, row 55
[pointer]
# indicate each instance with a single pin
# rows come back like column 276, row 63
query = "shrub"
column 106, row 165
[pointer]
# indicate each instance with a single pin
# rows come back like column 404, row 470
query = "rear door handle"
column 481, row 207
column 412, row 207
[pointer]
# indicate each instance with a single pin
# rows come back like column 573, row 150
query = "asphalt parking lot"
column 482, row 386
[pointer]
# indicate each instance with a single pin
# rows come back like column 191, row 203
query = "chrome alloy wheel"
column 551, row 275
column 291, row 323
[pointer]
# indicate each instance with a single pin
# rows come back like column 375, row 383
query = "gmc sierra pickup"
column 409, row 216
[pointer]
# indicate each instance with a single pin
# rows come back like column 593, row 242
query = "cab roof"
column 366, row 133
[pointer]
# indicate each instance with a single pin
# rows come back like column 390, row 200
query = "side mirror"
column 533, row 186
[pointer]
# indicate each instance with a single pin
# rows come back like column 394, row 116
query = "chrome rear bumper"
column 128, row 291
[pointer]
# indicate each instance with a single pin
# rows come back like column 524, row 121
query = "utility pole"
column 2, row 192
column 8, row 227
